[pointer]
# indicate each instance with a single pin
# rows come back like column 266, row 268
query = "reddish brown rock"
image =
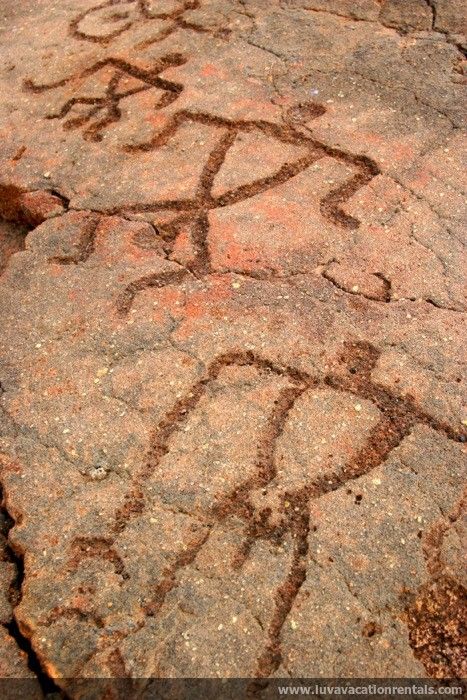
column 233, row 341
column 12, row 238
column 436, row 620
column 450, row 17
column 13, row 666
column 406, row 15
column 29, row 208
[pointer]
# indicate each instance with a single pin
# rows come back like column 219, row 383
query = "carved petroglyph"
column 284, row 513
column 105, row 22
column 101, row 112
column 194, row 212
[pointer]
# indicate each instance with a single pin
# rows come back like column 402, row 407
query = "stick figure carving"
column 194, row 212
column 285, row 513
column 104, row 111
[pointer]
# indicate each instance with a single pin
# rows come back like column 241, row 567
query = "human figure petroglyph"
column 267, row 510
column 194, row 212
column 104, row 111
column 171, row 216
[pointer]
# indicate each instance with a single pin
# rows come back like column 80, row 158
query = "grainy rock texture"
column 233, row 339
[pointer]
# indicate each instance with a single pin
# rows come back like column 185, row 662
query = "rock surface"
column 233, row 340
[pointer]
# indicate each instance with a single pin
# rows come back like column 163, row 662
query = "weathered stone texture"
column 232, row 303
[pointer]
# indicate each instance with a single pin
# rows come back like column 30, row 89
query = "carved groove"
column 143, row 14
column 108, row 105
column 196, row 210
column 399, row 415
column 85, row 247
